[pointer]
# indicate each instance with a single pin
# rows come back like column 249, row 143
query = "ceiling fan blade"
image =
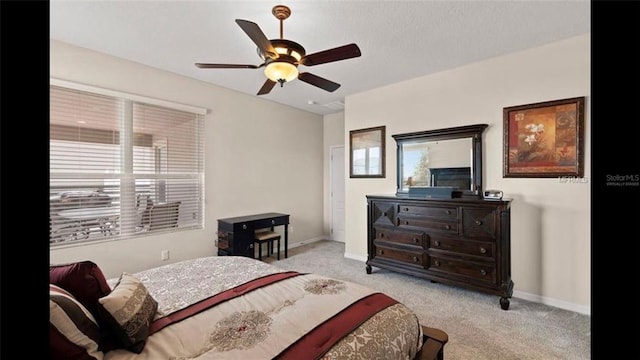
column 227, row 66
column 255, row 33
column 266, row 87
column 335, row 54
column 315, row 80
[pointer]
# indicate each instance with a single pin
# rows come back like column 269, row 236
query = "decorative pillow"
column 84, row 280
column 73, row 332
column 129, row 310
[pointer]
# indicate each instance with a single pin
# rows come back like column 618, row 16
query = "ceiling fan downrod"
column 281, row 12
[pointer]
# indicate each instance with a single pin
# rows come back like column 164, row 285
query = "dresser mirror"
column 449, row 157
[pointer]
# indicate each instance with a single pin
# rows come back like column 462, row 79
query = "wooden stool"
column 267, row 237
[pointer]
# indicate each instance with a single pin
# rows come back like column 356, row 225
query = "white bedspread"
column 268, row 321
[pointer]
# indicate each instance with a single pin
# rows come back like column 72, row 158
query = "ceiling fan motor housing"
column 285, row 47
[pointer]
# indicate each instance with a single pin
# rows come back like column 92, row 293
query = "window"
column 121, row 168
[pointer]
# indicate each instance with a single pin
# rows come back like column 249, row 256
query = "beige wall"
column 252, row 163
column 550, row 234
column 550, row 220
column 333, row 136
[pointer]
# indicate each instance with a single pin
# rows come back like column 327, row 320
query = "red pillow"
column 60, row 348
column 84, row 280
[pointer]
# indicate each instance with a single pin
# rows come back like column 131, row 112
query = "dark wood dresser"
column 462, row 241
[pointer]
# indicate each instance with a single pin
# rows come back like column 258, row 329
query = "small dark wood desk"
column 236, row 234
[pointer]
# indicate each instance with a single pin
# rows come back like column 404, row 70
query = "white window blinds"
column 121, row 168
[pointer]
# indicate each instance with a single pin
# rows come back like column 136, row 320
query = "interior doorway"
column 337, row 232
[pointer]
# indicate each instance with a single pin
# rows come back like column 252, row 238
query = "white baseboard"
column 361, row 258
column 582, row 309
column 305, row 242
column 586, row 310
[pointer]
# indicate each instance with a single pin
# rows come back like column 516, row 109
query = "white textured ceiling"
column 399, row 40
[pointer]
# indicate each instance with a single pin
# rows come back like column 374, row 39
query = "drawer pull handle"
column 437, row 263
column 448, row 227
column 384, row 214
column 381, row 235
column 244, row 226
column 380, row 252
column 483, row 250
column 406, row 209
column 448, row 212
column 478, row 222
column 415, row 259
column 437, row 243
column 416, row 240
column 483, row 272
column 406, row 222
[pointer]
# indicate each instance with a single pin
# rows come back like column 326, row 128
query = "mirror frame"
column 469, row 131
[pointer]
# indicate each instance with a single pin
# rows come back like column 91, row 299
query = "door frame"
column 331, row 185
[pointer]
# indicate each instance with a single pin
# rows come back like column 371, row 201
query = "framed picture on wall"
column 544, row 139
column 367, row 153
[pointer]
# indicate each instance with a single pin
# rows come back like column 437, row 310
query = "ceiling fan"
column 282, row 57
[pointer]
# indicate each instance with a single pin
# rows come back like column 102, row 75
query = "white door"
column 337, row 193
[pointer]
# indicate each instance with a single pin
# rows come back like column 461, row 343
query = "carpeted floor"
column 478, row 329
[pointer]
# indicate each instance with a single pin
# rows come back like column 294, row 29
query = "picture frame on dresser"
column 544, row 139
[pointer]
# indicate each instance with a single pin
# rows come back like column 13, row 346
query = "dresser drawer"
column 435, row 212
column 443, row 226
column 409, row 257
column 394, row 235
column 383, row 213
column 476, row 248
column 467, row 269
column 479, row 223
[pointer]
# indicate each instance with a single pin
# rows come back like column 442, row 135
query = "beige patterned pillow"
column 129, row 310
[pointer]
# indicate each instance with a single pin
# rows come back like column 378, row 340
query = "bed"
column 228, row 307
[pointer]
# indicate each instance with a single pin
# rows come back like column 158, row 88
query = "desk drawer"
column 265, row 223
column 224, row 241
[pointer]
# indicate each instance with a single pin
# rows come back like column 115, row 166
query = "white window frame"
column 129, row 98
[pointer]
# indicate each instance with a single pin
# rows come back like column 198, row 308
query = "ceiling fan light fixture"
column 281, row 71
column 296, row 55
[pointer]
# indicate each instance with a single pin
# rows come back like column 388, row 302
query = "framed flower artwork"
column 544, row 139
